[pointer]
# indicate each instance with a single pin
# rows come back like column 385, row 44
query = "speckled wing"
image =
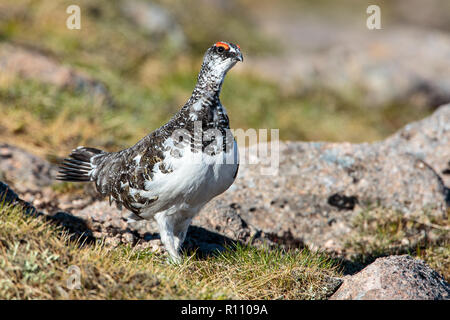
column 118, row 175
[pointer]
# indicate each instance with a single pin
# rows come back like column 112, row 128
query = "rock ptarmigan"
column 175, row 170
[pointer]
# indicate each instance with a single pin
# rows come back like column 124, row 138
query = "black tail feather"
column 78, row 166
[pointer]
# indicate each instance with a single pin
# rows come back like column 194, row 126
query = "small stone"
column 394, row 278
column 128, row 238
column 114, row 242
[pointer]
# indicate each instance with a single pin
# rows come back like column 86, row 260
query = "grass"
column 381, row 232
column 35, row 257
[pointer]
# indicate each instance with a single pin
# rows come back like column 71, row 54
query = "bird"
column 171, row 173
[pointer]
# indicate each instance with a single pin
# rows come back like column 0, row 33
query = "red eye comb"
column 223, row 45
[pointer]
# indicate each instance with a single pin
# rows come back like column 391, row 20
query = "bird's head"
column 220, row 58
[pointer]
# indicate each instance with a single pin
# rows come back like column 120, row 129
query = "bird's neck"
column 209, row 85
column 204, row 104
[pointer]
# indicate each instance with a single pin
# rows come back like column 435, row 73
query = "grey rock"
column 427, row 139
column 76, row 226
column 225, row 219
column 394, row 278
column 9, row 197
column 23, row 170
column 7, row 194
column 320, row 187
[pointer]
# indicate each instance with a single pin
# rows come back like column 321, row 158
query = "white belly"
column 195, row 179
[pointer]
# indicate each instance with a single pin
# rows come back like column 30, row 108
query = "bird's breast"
column 194, row 178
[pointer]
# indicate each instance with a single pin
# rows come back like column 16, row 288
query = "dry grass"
column 35, row 257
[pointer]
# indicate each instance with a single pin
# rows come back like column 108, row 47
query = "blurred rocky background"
column 365, row 162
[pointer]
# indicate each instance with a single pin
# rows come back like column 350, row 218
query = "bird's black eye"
column 221, row 47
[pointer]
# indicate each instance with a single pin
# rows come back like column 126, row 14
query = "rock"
column 225, row 219
column 101, row 211
column 427, row 139
column 320, row 187
column 128, row 238
column 8, row 196
column 156, row 21
column 24, row 170
column 17, row 61
column 75, row 226
column 394, row 278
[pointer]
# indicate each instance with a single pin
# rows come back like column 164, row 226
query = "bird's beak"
column 239, row 57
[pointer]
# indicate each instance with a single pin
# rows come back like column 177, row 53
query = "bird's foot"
column 174, row 259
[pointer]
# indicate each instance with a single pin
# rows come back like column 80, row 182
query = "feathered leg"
column 173, row 229
column 166, row 224
column 180, row 231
